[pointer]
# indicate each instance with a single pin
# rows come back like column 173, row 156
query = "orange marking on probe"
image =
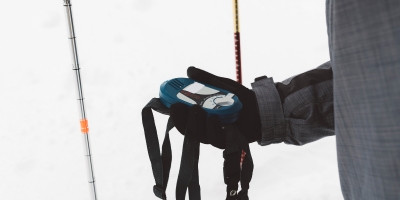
column 84, row 126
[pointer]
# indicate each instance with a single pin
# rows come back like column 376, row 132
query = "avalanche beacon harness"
column 214, row 101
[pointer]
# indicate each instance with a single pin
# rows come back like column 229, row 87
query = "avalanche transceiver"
column 213, row 100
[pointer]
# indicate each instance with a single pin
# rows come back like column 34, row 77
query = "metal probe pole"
column 83, row 120
column 237, row 41
column 237, row 53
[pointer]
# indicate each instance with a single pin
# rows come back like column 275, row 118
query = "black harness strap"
column 161, row 164
column 247, row 167
column 188, row 173
column 232, row 155
column 235, row 143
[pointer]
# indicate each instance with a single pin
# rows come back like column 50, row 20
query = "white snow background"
column 127, row 48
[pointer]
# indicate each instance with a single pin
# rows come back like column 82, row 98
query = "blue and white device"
column 215, row 101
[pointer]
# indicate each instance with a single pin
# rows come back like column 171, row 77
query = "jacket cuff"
column 273, row 124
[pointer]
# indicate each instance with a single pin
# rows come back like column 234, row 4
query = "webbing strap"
column 188, row 173
column 161, row 162
column 235, row 143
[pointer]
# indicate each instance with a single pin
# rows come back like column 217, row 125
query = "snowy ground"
column 127, row 48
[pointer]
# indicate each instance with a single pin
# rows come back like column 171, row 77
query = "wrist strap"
column 273, row 124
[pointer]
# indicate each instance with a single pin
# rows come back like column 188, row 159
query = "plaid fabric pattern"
column 364, row 38
column 305, row 115
column 364, row 41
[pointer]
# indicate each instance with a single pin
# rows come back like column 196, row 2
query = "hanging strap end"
column 159, row 192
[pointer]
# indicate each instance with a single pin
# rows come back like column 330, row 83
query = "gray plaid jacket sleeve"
column 297, row 111
column 364, row 43
column 364, row 40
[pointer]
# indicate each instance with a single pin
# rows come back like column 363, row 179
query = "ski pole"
column 83, row 119
column 237, row 41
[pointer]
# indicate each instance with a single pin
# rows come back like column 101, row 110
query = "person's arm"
column 297, row 111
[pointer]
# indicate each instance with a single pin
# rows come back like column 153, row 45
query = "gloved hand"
column 210, row 130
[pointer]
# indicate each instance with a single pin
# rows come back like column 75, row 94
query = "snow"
column 127, row 48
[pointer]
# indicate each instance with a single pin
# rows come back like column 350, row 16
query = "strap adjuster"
column 159, row 192
column 260, row 78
